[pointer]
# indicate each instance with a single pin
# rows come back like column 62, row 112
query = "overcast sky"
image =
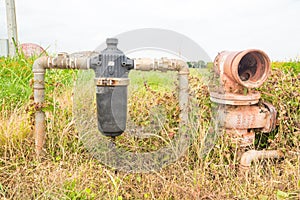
column 75, row 25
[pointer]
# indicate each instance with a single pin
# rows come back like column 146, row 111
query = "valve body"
column 239, row 112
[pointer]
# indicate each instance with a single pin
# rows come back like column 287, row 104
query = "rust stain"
column 234, row 75
column 112, row 81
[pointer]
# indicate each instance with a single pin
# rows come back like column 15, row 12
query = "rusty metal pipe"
column 239, row 113
column 253, row 155
column 236, row 73
column 62, row 61
column 38, row 70
column 183, row 98
column 250, row 68
column 240, row 121
column 164, row 64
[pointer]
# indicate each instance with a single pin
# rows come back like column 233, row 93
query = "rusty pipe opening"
column 249, row 68
column 233, row 73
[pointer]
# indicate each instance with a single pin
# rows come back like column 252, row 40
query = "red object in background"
column 30, row 49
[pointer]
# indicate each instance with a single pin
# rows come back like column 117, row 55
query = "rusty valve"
column 238, row 109
column 239, row 122
column 236, row 73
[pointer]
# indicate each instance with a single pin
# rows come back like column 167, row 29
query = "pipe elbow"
column 182, row 67
column 253, row 155
column 175, row 65
column 39, row 65
column 248, row 157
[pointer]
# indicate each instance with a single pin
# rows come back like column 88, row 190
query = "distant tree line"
column 197, row 64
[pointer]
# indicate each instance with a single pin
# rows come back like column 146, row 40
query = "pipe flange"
column 111, row 82
column 272, row 118
column 235, row 99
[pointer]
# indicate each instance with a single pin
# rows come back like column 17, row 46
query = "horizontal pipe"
column 253, row 155
column 61, row 61
column 65, row 61
column 162, row 64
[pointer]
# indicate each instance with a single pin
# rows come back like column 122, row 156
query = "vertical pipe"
column 39, row 96
column 183, row 98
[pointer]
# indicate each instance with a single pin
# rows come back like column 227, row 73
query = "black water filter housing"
column 111, row 68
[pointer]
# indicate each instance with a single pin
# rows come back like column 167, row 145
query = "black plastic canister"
column 111, row 69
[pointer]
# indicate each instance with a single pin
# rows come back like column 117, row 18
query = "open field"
column 68, row 171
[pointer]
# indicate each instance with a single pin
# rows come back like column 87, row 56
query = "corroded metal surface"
column 240, row 121
column 243, row 117
column 112, row 81
column 233, row 76
column 242, row 137
column 249, row 68
column 239, row 111
column 235, row 73
column 65, row 61
column 235, row 99
column 253, row 155
column 62, row 61
column 271, row 118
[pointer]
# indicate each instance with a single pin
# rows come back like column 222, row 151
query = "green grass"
column 166, row 81
column 68, row 171
column 17, row 79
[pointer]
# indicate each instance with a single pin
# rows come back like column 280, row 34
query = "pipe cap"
column 112, row 42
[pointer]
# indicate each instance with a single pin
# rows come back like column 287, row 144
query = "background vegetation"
column 68, row 171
